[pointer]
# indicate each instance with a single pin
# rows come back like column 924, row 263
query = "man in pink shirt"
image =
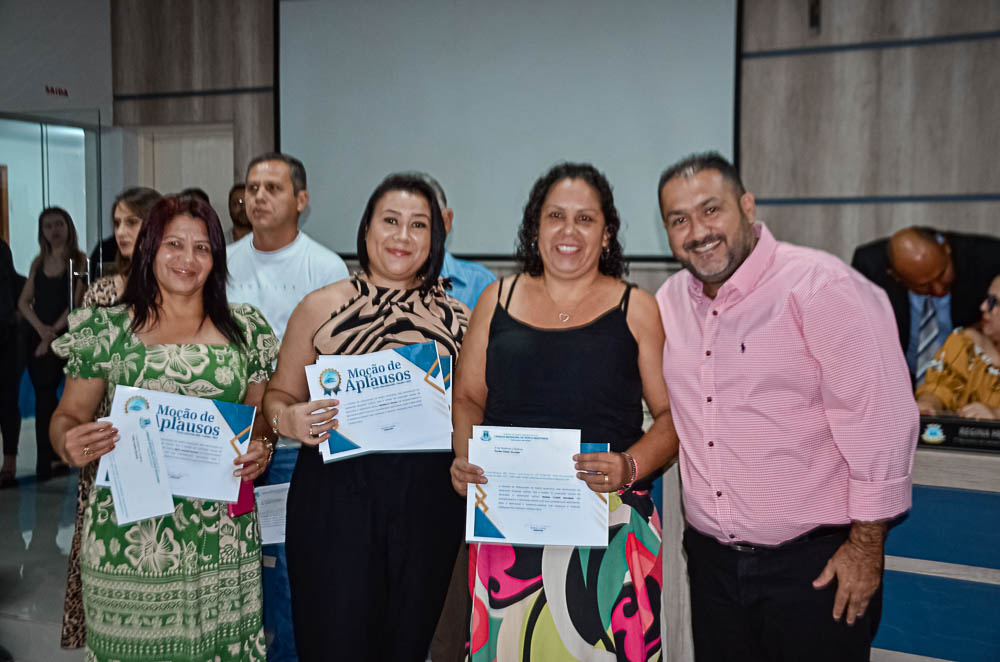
column 792, row 401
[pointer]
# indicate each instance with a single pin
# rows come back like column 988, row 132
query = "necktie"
column 927, row 345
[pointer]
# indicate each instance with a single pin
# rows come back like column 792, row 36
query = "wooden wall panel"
column 252, row 117
column 839, row 229
column 778, row 24
column 164, row 51
column 183, row 45
column 873, row 122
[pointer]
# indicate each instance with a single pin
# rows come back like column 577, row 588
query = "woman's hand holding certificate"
column 201, row 439
column 395, row 400
column 534, row 495
column 308, row 422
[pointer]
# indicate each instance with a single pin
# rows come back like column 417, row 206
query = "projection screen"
column 487, row 96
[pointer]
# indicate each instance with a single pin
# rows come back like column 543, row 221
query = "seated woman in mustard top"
column 965, row 376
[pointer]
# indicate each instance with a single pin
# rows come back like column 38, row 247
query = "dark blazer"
column 976, row 261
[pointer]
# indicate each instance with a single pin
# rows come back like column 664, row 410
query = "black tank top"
column 51, row 295
column 585, row 377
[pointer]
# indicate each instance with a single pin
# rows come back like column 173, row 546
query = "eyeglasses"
column 991, row 302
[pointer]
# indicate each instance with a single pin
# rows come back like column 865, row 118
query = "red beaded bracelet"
column 635, row 474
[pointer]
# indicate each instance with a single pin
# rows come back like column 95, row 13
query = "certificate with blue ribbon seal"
column 396, row 400
column 200, row 439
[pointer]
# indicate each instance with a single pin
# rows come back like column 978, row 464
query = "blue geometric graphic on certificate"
column 593, row 447
column 339, row 443
column 424, row 356
column 238, row 417
column 484, row 527
column 446, row 370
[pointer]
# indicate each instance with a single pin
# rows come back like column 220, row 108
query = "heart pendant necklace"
column 564, row 317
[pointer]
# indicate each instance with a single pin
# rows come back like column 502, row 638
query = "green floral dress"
column 185, row 586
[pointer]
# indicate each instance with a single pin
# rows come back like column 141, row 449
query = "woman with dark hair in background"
column 370, row 539
column 45, row 305
column 127, row 212
column 567, row 343
column 184, row 586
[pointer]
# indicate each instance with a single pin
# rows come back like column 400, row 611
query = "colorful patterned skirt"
column 572, row 603
column 182, row 587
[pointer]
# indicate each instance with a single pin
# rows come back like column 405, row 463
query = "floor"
column 36, row 528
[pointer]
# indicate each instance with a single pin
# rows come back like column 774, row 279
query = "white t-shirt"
column 276, row 281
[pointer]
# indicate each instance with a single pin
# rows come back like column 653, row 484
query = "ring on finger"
column 86, row 451
column 605, row 478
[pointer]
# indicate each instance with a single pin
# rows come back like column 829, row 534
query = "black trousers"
column 760, row 605
column 371, row 542
column 46, row 372
column 11, row 365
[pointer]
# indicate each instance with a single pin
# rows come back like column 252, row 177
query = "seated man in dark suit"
column 935, row 282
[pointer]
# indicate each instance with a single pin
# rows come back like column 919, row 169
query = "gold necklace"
column 564, row 317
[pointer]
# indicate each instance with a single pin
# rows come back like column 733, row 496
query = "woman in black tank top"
column 567, row 344
column 45, row 305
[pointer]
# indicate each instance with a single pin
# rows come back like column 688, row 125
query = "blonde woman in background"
column 45, row 305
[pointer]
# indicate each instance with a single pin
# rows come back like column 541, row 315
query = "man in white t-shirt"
column 273, row 269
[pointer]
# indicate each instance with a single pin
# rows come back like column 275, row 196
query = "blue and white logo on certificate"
column 136, row 403
column 329, row 380
column 486, row 436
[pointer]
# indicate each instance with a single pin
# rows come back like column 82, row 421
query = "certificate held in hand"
column 394, row 400
column 200, row 439
column 533, row 496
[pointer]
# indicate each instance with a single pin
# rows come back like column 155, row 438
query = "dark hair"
column 430, row 181
column 72, row 245
column 297, row 171
column 142, row 291
column 430, row 270
column 196, row 192
column 139, row 199
column 695, row 163
column 612, row 262
column 235, row 187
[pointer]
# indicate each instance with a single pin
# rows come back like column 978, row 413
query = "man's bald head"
column 920, row 259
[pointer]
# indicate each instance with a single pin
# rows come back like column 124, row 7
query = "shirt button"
column 718, row 494
column 732, row 535
column 709, row 398
column 708, row 352
column 715, row 312
column 711, row 443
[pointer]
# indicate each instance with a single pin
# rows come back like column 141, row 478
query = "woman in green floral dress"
column 184, row 586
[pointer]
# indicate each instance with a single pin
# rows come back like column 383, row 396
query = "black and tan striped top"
column 378, row 318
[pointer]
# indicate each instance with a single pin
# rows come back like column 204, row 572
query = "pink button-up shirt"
column 790, row 394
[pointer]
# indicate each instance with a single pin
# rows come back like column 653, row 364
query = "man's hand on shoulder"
column 857, row 566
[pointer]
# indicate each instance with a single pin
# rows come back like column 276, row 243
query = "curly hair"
column 612, row 262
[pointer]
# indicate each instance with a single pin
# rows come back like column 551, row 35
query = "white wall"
column 64, row 173
column 487, row 96
column 64, row 44
column 56, row 43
